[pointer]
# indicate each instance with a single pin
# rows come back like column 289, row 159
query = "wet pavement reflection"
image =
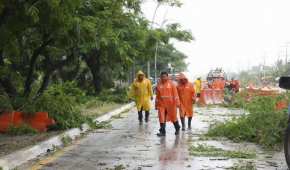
column 132, row 146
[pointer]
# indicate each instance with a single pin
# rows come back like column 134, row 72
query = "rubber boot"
column 189, row 122
column 182, row 123
column 177, row 128
column 162, row 131
column 140, row 117
column 146, row 116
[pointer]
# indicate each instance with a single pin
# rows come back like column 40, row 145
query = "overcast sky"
column 233, row 34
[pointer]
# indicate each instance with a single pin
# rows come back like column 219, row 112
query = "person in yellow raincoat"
column 141, row 92
column 197, row 86
column 166, row 103
column 186, row 94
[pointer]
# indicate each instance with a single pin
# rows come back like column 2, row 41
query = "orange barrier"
column 39, row 121
column 10, row 119
column 211, row 96
column 252, row 92
column 283, row 104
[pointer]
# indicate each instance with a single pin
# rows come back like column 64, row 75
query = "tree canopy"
column 91, row 42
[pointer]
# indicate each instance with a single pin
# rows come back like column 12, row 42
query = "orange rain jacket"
column 167, row 101
column 186, row 94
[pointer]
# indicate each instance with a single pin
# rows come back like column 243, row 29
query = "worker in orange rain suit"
column 166, row 103
column 186, row 94
column 141, row 92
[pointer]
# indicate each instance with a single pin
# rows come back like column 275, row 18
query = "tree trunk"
column 94, row 63
column 45, row 83
column 1, row 58
column 29, row 78
column 51, row 68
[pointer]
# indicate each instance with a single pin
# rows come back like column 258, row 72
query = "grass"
column 211, row 151
column 119, row 167
column 206, row 138
column 21, row 130
column 116, row 167
column 263, row 125
column 246, row 166
column 104, row 125
column 97, row 108
column 66, row 140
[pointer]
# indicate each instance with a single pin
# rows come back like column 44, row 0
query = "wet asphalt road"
column 129, row 145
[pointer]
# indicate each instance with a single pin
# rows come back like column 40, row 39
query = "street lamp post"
column 155, row 62
column 157, row 47
column 153, row 20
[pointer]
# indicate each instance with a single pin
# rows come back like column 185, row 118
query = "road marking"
column 52, row 158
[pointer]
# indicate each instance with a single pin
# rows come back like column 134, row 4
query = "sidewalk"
column 17, row 158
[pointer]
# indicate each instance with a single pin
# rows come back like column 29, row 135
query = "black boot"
column 162, row 131
column 189, row 122
column 177, row 128
column 182, row 123
column 140, row 116
column 146, row 116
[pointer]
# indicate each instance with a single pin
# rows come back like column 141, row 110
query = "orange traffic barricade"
column 39, row 121
column 8, row 119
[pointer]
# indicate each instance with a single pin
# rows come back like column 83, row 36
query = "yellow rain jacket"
column 141, row 92
column 197, row 86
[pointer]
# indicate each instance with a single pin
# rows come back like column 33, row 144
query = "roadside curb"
column 22, row 156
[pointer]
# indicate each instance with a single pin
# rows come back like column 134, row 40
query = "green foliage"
column 170, row 2
column 5, row 104
column 50, row 48
column 114, row 95
column 61, row 102
column 211, row 151
column 66, row 140
column 238, row 101
column 21, row 130
column 119, row 167
column 263, row 125
column 245, row 166
column 167, row 54
column 70, row 89
column 104, row 125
